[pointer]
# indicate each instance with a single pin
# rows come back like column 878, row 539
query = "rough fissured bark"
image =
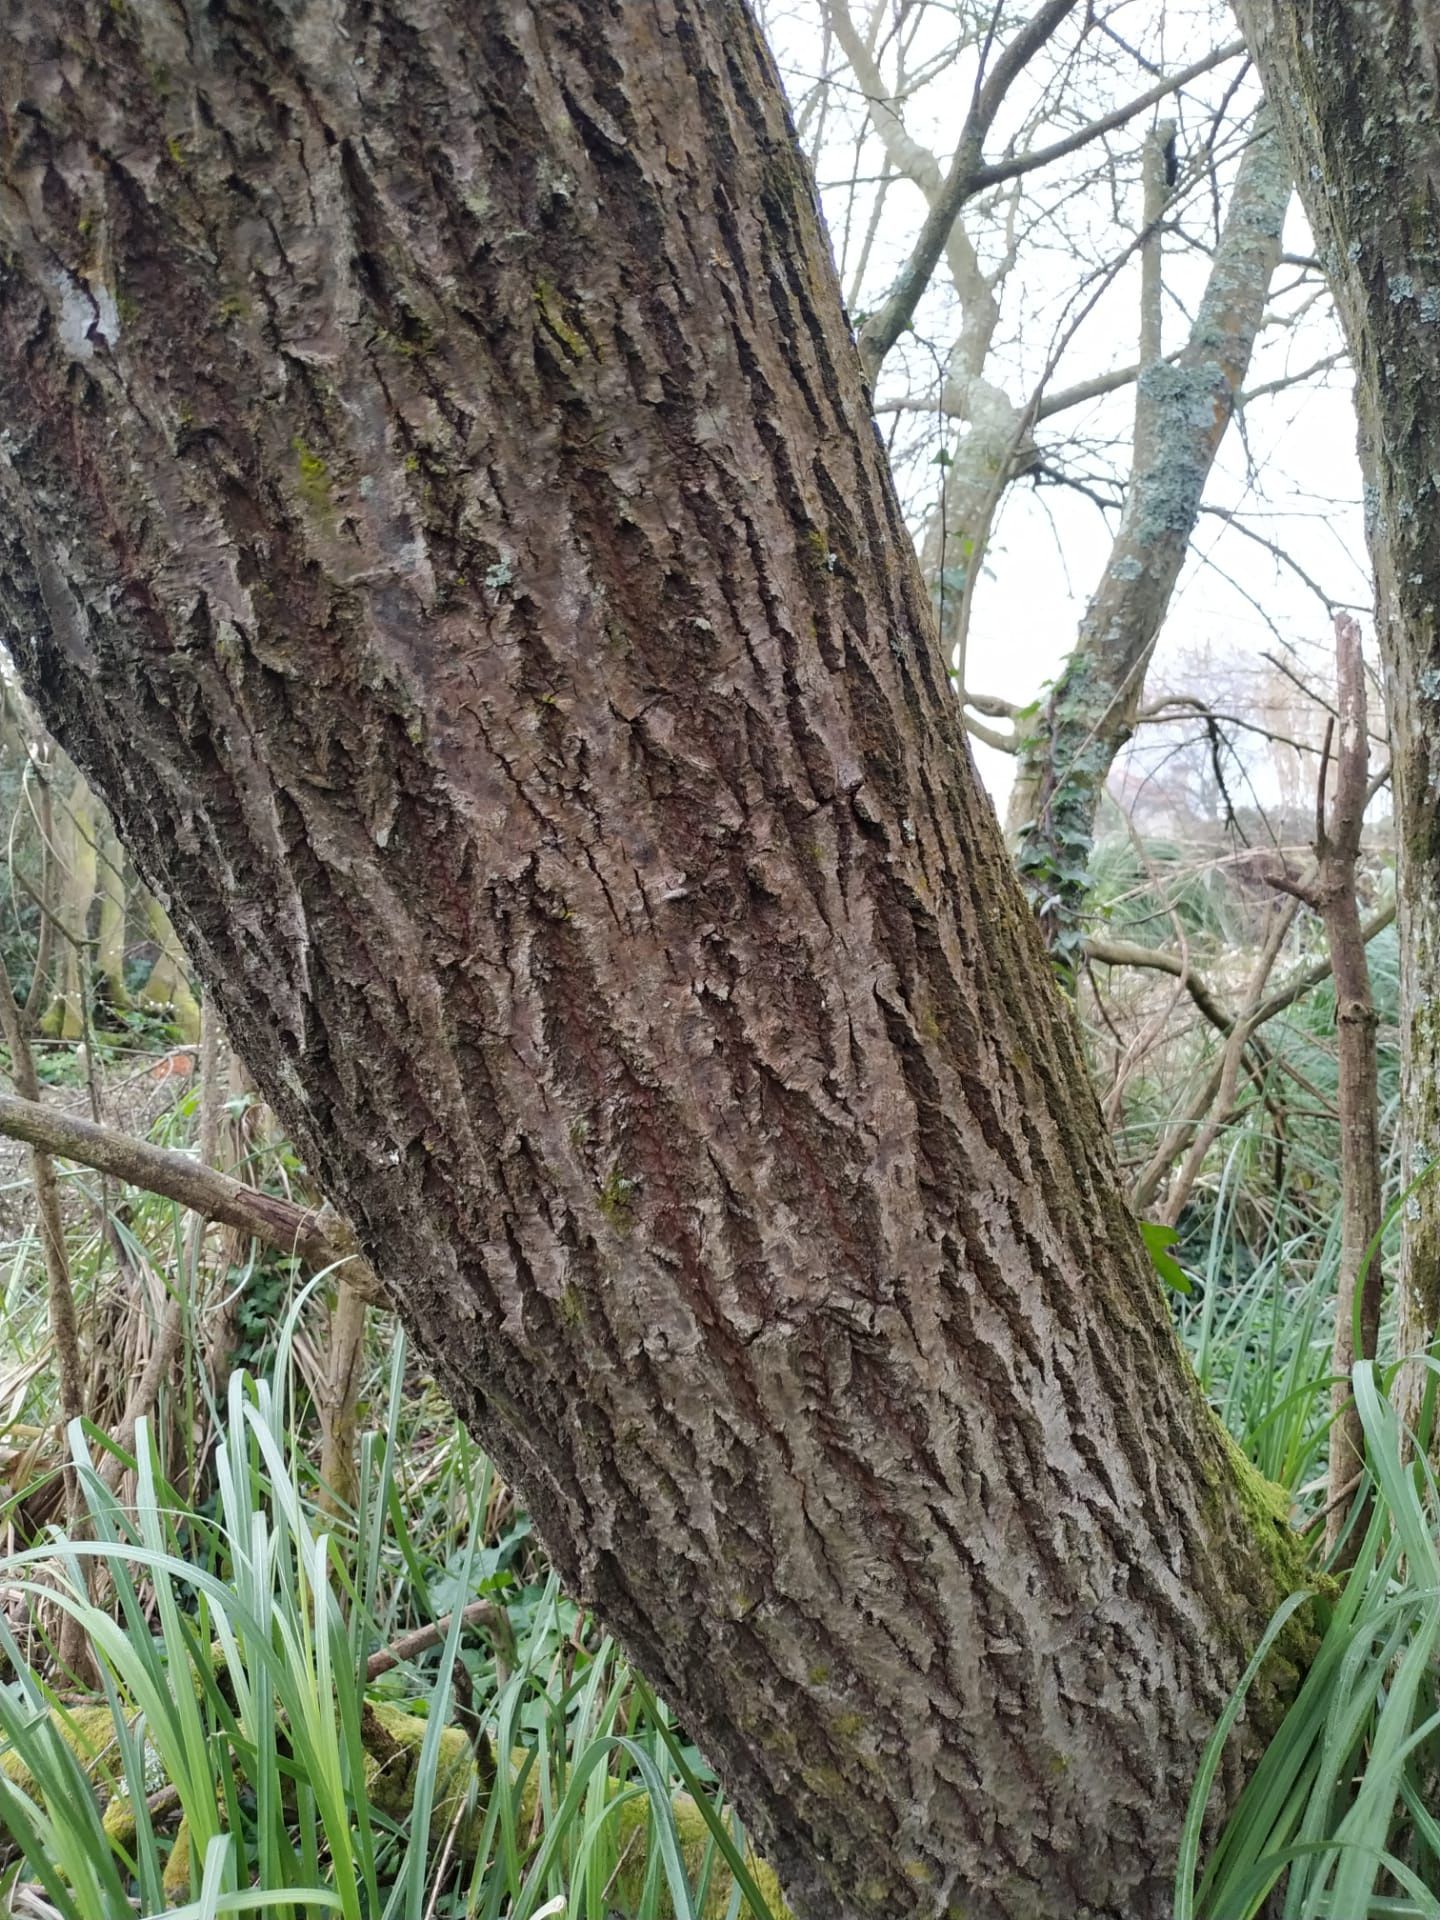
column 1354, row 85
column 442, row 515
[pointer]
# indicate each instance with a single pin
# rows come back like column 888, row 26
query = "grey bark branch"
column 61, row 1305
column 1182, row 410
column 1233, row 1053
column 998, row 171
column 1152, row 1177
column 313, row 1235
column 884, row 327
column 1156, row 192
column 1127, row 953
column 970, row 174
column 1358, row 1290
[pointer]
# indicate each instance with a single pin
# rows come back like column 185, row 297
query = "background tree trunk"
column 441, row 514
column 76, row 821
column 1353, row 86
column 1358, row 1095
column 167, row 988
column 110, row 932
column 1183, row 407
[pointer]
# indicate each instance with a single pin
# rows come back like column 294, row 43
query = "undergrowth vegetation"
column 394, row 1711
column 248, row 1744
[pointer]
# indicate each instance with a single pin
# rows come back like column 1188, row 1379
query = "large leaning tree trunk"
column 1354, row 87
column 440, row 513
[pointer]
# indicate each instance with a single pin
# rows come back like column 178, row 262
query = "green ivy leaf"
column 1158, row 1240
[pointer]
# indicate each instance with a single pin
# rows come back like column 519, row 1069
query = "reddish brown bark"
column 442, row 515
column 1358, row 1292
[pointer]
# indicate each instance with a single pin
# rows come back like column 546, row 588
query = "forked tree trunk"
column 441, row 514
column 1354, row 87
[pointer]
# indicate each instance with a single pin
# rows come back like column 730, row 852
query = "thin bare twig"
column 1358, row 1287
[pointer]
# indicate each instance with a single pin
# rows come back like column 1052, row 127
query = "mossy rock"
column 393, row 1743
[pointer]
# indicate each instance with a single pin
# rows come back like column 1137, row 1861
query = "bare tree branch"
column 314, row 1235
column 970, row 173
column 1021, row 163
column 1129, row 953
column 1358, row 1289
column 884, row 328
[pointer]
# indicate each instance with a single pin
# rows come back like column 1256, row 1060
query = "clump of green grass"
column 1337, row 1820
column 1260, row 1326
column 234, row 1756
